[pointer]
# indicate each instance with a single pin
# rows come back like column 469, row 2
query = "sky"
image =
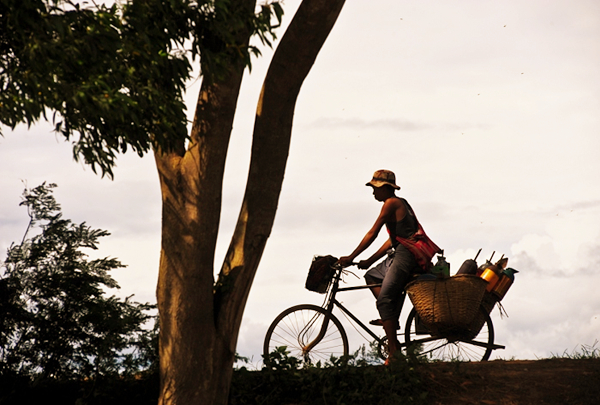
column 487, row 111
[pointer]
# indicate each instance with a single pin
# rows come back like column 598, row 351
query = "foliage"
column 55, row 318
column 114, row 76
column 347, row 380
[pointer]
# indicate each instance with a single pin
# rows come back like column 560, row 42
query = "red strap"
column 421, row 247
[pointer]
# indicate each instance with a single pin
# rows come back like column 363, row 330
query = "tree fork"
column 191, row 184
column 199, row 320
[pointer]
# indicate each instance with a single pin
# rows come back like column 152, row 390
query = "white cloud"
column 569, row 244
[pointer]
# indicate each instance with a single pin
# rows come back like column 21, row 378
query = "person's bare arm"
column 388, row 212
column 365, row 264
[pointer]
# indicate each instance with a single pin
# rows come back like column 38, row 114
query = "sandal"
column 379, row 322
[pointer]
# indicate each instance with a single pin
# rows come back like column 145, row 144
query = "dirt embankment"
column 552, row 381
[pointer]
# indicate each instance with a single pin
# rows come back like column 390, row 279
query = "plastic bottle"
column 442, row 267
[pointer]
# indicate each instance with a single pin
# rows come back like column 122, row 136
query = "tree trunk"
column 190, row 346
column 200, row 319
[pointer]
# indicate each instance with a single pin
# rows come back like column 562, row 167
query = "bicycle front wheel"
column 478, row 348
column 308, row 332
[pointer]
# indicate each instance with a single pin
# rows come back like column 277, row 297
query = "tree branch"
column 291, row 63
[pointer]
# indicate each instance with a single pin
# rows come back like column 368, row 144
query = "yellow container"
column 491, row 277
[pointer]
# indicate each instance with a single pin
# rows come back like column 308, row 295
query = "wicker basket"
column 488, row 302
column 448, row 306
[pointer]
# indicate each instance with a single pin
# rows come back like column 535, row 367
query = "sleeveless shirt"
column 406, row 227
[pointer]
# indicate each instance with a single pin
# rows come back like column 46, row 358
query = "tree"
column 138, row 64
column 55, row 320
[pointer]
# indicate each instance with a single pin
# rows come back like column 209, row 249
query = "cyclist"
column 410, row 252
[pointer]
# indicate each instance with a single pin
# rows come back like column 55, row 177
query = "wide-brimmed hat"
column 382, row 178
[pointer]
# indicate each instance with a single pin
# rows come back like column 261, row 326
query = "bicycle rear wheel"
column 299, row 329
column 478, row 348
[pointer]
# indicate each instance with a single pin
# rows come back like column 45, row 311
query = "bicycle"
column 311, row 332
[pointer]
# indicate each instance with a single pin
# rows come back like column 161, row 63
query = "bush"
column 351, row 380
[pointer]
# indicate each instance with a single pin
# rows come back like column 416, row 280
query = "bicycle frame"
column 332, row 301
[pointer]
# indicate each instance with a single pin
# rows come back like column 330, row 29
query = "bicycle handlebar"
column 337, row 264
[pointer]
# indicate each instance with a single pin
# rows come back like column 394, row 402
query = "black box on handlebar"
column 320, row 273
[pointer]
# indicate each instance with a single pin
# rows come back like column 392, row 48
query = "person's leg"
column 389, row 326
column 371, row 281
column 389, row 304
column 376, row 275
column 391, row 297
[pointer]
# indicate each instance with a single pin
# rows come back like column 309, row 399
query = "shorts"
column 394, row 273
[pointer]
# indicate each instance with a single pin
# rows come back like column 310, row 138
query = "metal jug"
column 506, row 280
